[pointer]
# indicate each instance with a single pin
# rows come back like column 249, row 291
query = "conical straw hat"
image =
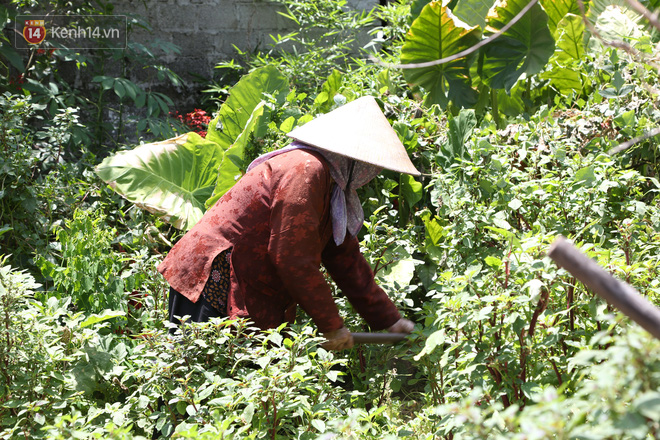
column 358, row 130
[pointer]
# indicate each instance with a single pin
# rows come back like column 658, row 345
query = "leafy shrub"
column 38, row 184
column 617, row 397
column 89, row 272
column 87, row 269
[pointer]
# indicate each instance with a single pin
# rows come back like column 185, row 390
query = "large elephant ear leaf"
column 242, row 100
column 172, row 178
column 416, row 8
column 616, row 20
column 525, row 48
column 437, row 34
column 565, row 73
column 473, row 11
column 233, row 164
column 558, row 9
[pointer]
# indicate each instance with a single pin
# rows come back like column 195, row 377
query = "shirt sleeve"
column 353, row 275
column 295, row 245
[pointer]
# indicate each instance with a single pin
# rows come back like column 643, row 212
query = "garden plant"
column 547, row 127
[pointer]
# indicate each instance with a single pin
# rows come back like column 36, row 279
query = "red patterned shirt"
column 277, row 221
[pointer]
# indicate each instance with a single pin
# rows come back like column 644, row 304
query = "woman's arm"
column 353, row 275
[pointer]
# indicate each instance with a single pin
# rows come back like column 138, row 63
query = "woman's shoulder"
column 301, row 162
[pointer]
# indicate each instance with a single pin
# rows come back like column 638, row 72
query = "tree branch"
column 633, row 141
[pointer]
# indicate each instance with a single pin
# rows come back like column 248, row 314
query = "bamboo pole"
column 616, row 292
column 378, row 338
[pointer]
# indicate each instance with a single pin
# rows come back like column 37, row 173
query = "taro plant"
column 179, row 178
column 543, row 47
column 439, row 33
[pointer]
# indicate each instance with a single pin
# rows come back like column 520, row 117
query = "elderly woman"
column 257, row 252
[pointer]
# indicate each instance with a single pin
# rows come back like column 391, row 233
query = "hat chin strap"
column 350, row 175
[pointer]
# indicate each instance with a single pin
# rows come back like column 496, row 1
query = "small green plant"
column 86, row 268
column 38, row 184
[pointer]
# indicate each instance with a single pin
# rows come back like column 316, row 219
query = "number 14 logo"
column 34, row 31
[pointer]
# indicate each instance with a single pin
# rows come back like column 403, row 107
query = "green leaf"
column 565, row 73
column 615, row 20
column 523, row 49
column 436, row 338
column 617, row 81
column 171, row 178
column 84, row 377
column 140, row 100
column 434, row 231
column 557, row 10
column 324, row 101
column 570, row 33
column 104, row 316
column 515, row 204
column 120, row 90
column 243, row 99
column 39, row 418
column 437, row 34
column 507, row 235
column 460, row 131
column 248, row 413
column 230, row 169
column 648, row 405
column 401, row 268
column 12, row 55
column 493, row 262
column 4, row 17
column 512, row 103
column 319, row 425
column 585, row 176
column 288, row 124
column 416, row 8
column 107, row 83
column 626, row 120
column 473, row 11
column 411, row 190
column 484, row 313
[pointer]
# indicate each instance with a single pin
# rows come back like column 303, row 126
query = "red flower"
column 16, row 81
column 196, row 120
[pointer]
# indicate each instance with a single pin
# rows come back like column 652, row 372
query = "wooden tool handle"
column 618, row 293
column 378, row 338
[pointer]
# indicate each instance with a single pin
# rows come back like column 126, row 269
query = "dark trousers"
column 201, row 311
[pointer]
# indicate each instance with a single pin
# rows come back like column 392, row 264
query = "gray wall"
column 206, row 31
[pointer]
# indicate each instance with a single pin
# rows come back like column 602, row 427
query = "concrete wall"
column 207, row 30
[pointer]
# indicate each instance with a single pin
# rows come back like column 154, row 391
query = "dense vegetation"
column 525, row 139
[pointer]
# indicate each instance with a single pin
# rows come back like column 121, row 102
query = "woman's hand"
column 338, row 339
column 403, row 325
